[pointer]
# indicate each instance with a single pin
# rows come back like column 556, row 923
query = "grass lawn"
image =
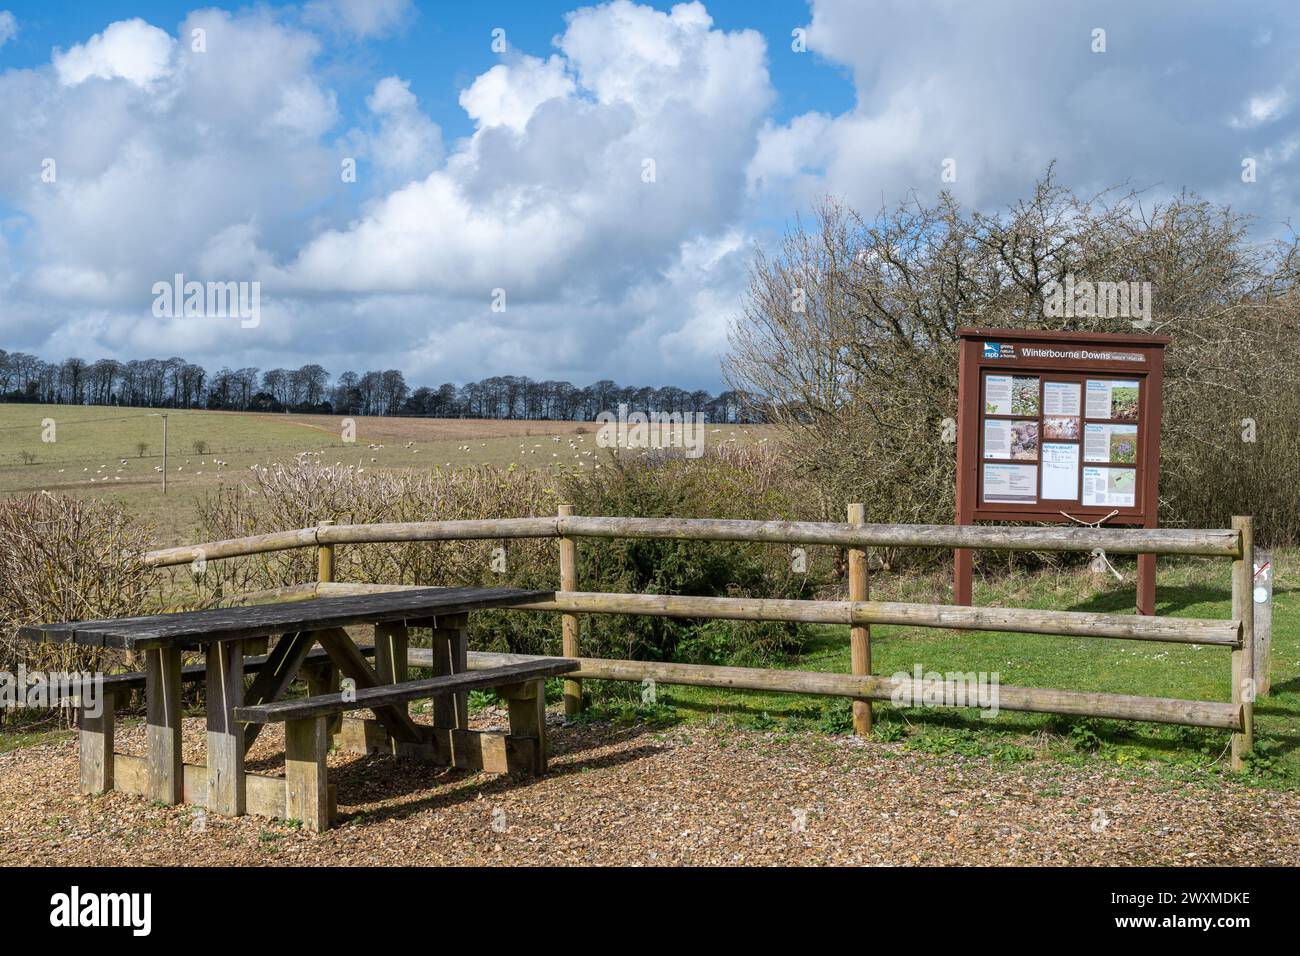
column 97, row 451
column 1188, row 588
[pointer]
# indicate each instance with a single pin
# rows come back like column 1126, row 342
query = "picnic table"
column 229, row 639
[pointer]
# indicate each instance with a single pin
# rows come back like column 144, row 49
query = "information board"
column 1057, row 426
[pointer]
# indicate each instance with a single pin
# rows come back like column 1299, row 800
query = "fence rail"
column 858, row 613
column 1186, row 541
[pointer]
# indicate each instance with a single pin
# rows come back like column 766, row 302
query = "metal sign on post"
column 1263, row 604
column 1061, row 427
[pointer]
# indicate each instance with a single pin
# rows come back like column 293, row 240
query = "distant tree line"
column 176, row 383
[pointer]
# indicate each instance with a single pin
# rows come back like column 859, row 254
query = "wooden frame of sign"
column 1058, row 426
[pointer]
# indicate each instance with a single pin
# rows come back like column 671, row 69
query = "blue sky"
column 525, row 170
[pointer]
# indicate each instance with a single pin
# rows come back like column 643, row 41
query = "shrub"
column 66, row 559
column 718, row 485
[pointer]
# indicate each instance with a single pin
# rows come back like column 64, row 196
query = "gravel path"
column 692, row 795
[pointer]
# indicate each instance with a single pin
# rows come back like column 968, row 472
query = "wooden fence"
column 858, row 612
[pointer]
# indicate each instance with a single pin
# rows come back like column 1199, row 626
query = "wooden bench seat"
column 194, row 673
column 385, row 694
column 307, row 735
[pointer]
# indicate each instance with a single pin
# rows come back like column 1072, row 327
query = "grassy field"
column 1191, row 588
column 97, row 451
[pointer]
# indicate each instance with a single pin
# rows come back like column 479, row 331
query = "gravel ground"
column 688, row 795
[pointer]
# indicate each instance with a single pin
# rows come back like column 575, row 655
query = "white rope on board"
column 1099, row 560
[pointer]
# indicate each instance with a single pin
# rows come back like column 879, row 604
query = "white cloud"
column 548, row 198
column 360, row 18
column 172, row 161
column 8, row 27
column 229, row 174
column 508, row 95
column 1262, row 108
column 406, row 143
column 130, row 49
column 1004, row 89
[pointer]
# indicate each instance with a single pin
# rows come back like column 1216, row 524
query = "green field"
column 96, row 451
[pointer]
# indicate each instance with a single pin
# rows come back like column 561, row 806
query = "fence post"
column 324, row 557
column 569, row 622
column 1243, row 666
column 859, row 637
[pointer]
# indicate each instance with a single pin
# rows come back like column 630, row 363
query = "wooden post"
column 323, row 678
column 227, row 793
column 450, row 640
column 1263, row 602
column 162, row 689
column 526, row 704
column 859, row 637
column 95, row 738
column 1146, row 584
column 392, row 642
column 306, row 782
column 1243, row 669
column 324, row 557
column 569, row 622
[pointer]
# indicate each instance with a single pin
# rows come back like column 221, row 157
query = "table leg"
column 526, row 704
column 392, row 642
column 451, row 656
column 306, row 783
column 225, row 692
column 95, row 746
column 323, row 678
column 162, row 689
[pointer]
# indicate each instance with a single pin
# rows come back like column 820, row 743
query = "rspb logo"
column 999, row 350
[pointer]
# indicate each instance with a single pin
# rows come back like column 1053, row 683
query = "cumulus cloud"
column 588, row 171
column 130, row 49
column 8, row 27
column 508, row 95
column 601, row 188
column 612, row 185
column 1002, row 89
column 404, row 142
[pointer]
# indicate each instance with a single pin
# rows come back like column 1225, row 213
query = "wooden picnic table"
column 236, row 714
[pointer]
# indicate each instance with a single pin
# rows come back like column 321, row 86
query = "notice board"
column 1058, row 426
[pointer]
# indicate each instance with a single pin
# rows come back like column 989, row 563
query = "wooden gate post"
column 1243, row 667
column 569, row 622
column 859, row 637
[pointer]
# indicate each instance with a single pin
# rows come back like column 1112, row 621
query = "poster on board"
column 1112, row 399
column 1011, row 440
column 1113, row 487
column 997, row 395
column 1116, row 444
column 1017, row 484
column 1061, row 471
column 1061, row 398
column 1061, row 428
